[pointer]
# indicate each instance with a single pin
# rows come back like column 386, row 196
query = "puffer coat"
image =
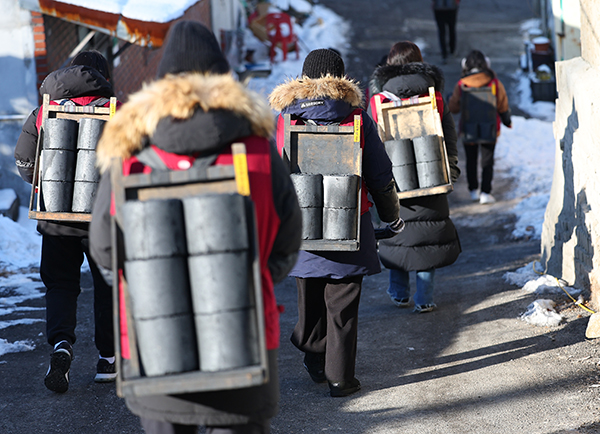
column 183, row 118
column 430, row 239
column 331, row 100
column 82, row 85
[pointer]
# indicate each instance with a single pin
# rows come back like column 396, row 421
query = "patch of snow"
column 541, row 313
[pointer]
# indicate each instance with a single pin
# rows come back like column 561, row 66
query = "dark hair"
column 404, row 52
column 476, row 60
column 93, row 59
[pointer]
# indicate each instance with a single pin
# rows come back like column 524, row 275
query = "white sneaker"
column 474, row 195
column 486, row 198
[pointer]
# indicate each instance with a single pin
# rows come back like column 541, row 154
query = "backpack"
column 479, row 114
column 445, row 5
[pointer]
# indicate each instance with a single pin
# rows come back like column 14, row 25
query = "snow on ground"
column 525, row 152
column 322, row 29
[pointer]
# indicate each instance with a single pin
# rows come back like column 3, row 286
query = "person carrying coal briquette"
column 329, row 283
column 194, row 111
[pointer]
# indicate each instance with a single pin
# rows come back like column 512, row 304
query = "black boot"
column 314, row 363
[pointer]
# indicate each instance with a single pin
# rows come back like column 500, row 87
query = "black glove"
column 505, row 118
column 390, row 230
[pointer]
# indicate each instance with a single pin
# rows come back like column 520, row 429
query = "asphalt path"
column 471, row 366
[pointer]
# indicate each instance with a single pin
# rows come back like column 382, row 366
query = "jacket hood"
column 185, row 102
column 477, row 78
column 333, row 88
column 411, row 79
column 76, row 81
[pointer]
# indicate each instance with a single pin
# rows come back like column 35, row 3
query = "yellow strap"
column 113, row 108
column 494, row 88
column 356, row 131
column 432, row 96
column 240, row 165
column 561, row 287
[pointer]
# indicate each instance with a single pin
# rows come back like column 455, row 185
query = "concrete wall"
column 571, row 231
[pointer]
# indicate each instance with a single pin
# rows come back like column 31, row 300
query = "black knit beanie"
column 321, row 62
column 191, row 47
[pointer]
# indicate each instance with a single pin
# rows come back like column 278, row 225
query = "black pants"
column 487, row 165
column 328, row 323
column 446, row 19
column 60, row 270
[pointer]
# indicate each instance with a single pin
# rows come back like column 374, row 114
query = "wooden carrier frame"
column 167, row 185
column 62, row 112
column 410, row 118
column 326, row 150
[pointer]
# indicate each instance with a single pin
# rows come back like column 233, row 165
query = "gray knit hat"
column 321, row 62
column 191, row 47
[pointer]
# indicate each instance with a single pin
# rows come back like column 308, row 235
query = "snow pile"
column 525, row 153
column 322, row 29
column 15, row 347
column 20, row 244
column 524, row 274
column 541, row 313
column 544, row 110
column 548, row 285
column 536, row 282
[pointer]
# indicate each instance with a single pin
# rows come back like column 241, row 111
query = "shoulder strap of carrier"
column 150, row 158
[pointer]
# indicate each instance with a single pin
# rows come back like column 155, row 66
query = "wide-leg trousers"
column 328, row 322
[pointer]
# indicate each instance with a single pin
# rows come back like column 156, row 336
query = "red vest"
column 267, row 221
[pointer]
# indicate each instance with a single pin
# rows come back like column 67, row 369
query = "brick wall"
column 39, row 39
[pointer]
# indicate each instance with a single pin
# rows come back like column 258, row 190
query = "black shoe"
column 344, row 388
column 314, row 363
column 57, row 377
column 106, row 372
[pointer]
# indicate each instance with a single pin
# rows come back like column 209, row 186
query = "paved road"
column 469, row 367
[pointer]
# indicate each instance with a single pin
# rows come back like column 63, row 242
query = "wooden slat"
column 327, row 150
column 195, row 381
column 430, row 191
column 60, row 216
column 329, row 245
column 410, row 118
column 60, row 112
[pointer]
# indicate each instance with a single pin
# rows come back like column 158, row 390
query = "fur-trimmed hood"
column 334, row 88
column 211, row 110
column 407, row 80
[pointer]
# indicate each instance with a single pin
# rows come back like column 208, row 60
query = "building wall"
column 567, row 23
column 56, row 39
column 137, row 65
column 571, row 231
column 18, row 87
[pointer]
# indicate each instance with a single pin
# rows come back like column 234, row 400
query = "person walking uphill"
column 84, row 82
column 195, row 111
column 430, row 239
column 476, row 73
column 329, row 283
column 445, row 12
